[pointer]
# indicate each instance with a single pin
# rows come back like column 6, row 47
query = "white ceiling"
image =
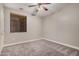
column 52, row 8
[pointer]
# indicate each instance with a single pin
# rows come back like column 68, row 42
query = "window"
column 17, row 23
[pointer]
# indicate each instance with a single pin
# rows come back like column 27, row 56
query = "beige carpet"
column 38, row 48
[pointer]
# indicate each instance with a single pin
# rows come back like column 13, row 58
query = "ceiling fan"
column 39, row 6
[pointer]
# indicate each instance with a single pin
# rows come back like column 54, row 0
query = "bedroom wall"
column 33, row 28
column 1, row 26
column 63, row 26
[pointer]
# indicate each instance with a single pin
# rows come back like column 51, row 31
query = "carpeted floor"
column 38, row 48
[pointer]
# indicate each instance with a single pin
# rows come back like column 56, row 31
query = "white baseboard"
column 20, row 42
column 64, row 44
column 68, row 45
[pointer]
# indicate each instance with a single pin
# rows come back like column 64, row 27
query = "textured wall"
column 63, row 26
column 33, row 28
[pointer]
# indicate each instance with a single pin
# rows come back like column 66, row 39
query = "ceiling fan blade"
column 45, row 3
column 45, row 8
column 32, row 5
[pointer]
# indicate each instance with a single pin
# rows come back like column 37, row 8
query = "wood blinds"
column 17, row 23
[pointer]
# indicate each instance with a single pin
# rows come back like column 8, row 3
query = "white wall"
column 33, row 28
column 1, row 26
column 63, row 26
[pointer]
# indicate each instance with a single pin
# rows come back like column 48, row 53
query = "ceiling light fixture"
column 38, row 7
